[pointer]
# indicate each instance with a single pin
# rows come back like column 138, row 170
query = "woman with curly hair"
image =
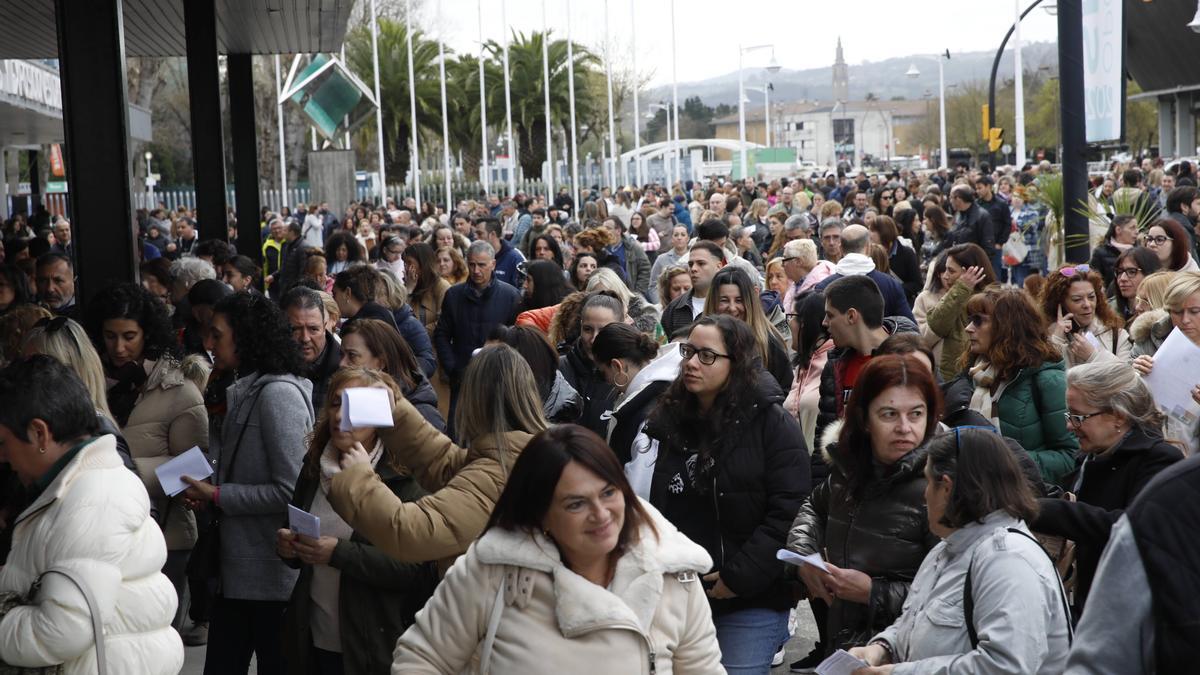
column 268, row 416
column 1082, row 324
column 343, row 250
column 1015, row 377
column 731, row 473
column 156, row 398
column 596, row 241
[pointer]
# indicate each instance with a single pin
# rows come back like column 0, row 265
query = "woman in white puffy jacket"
column 573, row 574
column 89, row 518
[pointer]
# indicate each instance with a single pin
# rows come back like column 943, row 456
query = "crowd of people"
column 609, row 420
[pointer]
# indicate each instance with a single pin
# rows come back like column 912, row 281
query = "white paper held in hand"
column 303, row 522
column 365, row 407
column 796, row 559
column 1175, row 373
column 840, row 663
column 192, row 464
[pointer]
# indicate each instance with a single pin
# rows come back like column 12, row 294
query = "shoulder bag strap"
column 969, row 604
column 238, row 444
column 1062, row 593
column 93, row 609
column 489, row 640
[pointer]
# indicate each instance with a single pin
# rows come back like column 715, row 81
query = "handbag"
column 10, row 600
column 204, row 564
column 1015, row 249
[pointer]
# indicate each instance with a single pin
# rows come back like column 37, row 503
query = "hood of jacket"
column 854, row 264
column 168, row 373
column 245, row 387
column 1156, row 323
column 422, row 392
column 581, row 604
column 561, row 395
column 664, row 368
column 899, row 324
column 771, row 300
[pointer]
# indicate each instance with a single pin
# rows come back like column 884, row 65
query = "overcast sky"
column 804, row 32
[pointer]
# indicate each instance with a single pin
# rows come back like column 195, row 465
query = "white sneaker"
column 778, row 658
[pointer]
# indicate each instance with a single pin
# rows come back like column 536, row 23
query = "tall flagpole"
column 546, row 88
column 612, row 130
column 412, row 99
column 637, row 111
column 484, row 174
column 378, row 103
column 445, row 118
column 512, row 157
column 571, row 94
column 674, row 93
column 282, row 147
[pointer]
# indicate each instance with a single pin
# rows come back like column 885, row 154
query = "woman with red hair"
column 1082, row 324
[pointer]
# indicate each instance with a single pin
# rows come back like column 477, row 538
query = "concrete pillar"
column 204, row 98
column 1166, row 127
column 1185, row 125
column 245, row 154
column 331, row 173
column 4, row 212
column 91, row 54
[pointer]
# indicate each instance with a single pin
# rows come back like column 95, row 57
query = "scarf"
column 331, row 465
column 124, row 388
column 396, row 268
column 984, row 377
column 1119, row 246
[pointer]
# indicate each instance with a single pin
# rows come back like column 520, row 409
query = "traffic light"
column 995, row 139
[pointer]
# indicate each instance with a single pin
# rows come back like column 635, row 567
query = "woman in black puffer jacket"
column 731, row 472
column 868, row 519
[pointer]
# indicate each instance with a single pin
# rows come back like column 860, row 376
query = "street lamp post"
column 742, row 51
column 612, row 130
column 546, row 88
column 483, row 173
column 445, row 118
column 571, row 98
column 412, row 98
column 674, row 95
column 913, row 72
column 512, row 157
column 378, row 112
column 149, row 182
column 637, row 138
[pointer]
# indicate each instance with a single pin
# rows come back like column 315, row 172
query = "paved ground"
column 797, row 648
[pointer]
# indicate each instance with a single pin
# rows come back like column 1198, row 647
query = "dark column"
column 204, row 97
column 35, row 182
column 1074, row 140
column 245, row 154
column 91, row 53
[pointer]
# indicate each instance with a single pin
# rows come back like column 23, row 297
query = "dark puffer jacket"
column 424, row 399
column 468, row 315
column 597, row 396
column 884, row 535
column 741, row 508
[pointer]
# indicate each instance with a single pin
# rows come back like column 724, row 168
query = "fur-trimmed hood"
column 1156, row 323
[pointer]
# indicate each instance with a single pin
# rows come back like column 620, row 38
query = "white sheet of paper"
column 796, row 559
column 1093, row 340
column 840, row 663
column 192, row 464
column 365, row 407
column 1176, row 371
column 303, row 522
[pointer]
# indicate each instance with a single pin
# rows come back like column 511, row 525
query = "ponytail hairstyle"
column 624, row 342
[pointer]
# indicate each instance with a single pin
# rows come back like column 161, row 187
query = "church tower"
column 841, row 76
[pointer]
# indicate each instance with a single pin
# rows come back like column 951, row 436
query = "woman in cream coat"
column 90, row 519
column 588, row 579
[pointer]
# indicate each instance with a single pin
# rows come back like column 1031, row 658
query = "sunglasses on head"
column 52, row 324
column 1072, row 271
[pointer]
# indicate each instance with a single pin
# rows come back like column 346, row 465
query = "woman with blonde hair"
column 498, row 411
column 1152, row 323
column 673, row 282
column 1182, row 304
column 644, row 314
column 451, row 265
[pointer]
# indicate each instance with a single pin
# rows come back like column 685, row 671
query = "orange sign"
column 56, row 161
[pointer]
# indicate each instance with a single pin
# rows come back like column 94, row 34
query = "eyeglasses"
column 789, row 258
column 1072, row 271
column 1077, row 421
column 793, row 317
column 977, row 320
column 1128, row 272
column 886, row 197
column 1159, row 240
column 706, row 355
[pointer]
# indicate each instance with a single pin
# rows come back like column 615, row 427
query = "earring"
column 621, row 384
column 41, row 451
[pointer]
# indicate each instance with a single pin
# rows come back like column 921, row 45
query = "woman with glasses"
column 1183, row 314
column 732, row 471
column 1170, row 242
column 1082, row 324
column 391, row 257
column 987, row 598
column 1130, row 270
column 1015, row 377
column 968, row 269
column 1121, row 237
column 1112, row 413
column 867, row 520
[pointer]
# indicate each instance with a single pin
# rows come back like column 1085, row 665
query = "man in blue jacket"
column 507, row 257
column 854, row 261
column 469, row 312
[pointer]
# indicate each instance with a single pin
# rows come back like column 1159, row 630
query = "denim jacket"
column 1019, row 614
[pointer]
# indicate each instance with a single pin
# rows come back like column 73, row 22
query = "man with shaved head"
column 855, row 262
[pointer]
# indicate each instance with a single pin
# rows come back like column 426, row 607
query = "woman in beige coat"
column 156, row 399
column 573, row 574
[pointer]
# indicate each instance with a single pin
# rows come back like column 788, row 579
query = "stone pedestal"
column 331, row 177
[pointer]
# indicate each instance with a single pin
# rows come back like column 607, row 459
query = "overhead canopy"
column 156, row 28
column 1161, row 52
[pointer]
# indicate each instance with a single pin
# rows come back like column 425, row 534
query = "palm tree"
column 527, row 90
column 393, row 87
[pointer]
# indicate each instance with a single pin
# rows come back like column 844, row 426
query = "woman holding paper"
column 868, row 518
column 1183, row 306
column 351, row 601
column 1083, row 326
column 157, row 399
column 987, row 599
column 498, row 412
column 372, row 344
